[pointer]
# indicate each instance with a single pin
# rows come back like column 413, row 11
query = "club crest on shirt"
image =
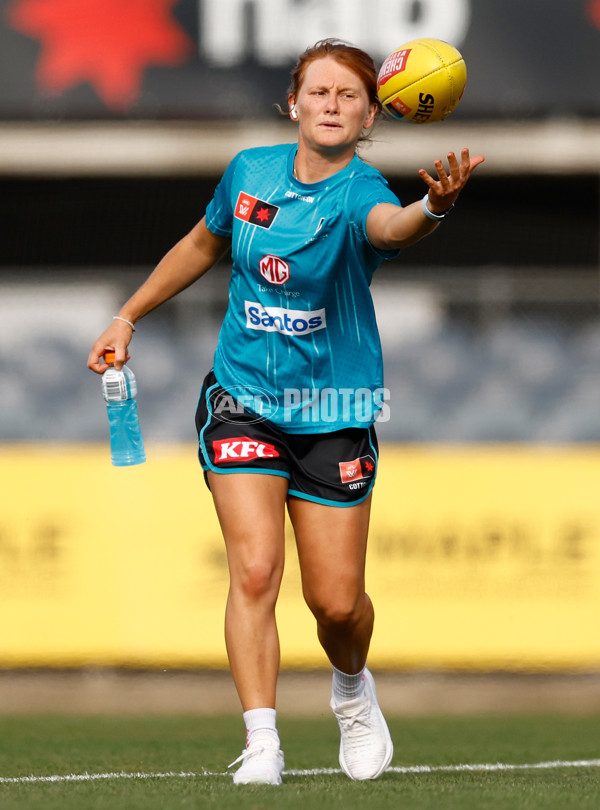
column 256, row 212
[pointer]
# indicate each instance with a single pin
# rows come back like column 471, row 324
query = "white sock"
column 347, row 687
column 260, row 721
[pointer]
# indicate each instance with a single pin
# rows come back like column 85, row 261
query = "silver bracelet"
column 119, row 318
column 429, row 214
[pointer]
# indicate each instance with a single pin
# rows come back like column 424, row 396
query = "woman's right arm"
column 189, row 259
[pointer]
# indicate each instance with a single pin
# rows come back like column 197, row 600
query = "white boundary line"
column 491, row 766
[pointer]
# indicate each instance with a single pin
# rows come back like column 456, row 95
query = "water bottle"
column 119, row 389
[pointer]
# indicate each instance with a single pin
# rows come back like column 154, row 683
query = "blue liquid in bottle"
column 120, row 390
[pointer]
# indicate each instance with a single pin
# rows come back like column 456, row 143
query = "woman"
column 307, row 224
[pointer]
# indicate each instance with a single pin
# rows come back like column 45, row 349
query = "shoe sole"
column 257, row 782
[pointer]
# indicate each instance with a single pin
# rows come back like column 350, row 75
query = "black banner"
column 231, row 59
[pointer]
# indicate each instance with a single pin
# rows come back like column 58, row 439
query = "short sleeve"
column 219, row 211
column 367, row 192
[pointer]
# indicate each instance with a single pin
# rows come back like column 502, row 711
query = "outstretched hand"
column 444, row 191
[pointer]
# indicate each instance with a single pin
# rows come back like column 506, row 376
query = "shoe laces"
column 245, row 753
column 256, row 748
column 356, row 720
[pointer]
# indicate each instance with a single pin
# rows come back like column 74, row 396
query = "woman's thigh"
column 251, row 512
column 332, row 546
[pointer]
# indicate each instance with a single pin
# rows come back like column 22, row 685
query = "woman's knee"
column 257, row 580
column 341, row 610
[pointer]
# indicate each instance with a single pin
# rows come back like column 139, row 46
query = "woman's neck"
column 312, row 167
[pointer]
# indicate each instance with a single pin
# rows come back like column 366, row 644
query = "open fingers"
column 461, row 171
column 444, row 190
column 457, row 174
column 468, row 163
column 441, row 170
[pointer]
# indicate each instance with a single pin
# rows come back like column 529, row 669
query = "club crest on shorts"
column 256, row 212
column 357, row 470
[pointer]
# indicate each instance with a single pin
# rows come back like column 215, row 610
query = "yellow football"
column 422, row 81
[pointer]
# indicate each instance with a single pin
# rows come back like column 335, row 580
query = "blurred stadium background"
column 116, row 121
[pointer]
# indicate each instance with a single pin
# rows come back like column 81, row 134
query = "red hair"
column 356, row 60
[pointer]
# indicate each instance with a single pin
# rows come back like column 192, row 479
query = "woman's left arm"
column 390, row 227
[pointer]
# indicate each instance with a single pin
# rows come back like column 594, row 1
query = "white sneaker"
column 262, row 762
column 366, row 747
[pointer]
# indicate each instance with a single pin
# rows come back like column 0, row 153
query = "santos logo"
column 286, row 321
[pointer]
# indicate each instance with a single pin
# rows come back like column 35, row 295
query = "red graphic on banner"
column 593, row 11
column 107, row 43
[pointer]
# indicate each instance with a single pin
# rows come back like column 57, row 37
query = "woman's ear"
column 370, row 119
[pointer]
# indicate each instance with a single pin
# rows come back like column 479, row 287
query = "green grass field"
column 171, row 756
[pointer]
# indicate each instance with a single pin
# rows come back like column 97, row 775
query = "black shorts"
column 337, row 468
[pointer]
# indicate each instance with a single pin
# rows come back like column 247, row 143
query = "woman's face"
column 332, row 106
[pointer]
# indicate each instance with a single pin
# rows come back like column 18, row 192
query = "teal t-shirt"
column 299, row 344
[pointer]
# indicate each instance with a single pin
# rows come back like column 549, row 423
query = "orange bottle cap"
column 109, row 357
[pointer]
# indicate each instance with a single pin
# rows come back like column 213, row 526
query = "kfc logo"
column 242, row 448
column 363, row 467
column 274, row 269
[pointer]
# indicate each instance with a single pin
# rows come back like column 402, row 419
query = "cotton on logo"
column 274, row 269
column 242, row 448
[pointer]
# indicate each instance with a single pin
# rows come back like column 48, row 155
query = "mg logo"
column 274, row 269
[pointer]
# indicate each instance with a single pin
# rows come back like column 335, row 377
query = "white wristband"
column 429, row 214
column 119, row 318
